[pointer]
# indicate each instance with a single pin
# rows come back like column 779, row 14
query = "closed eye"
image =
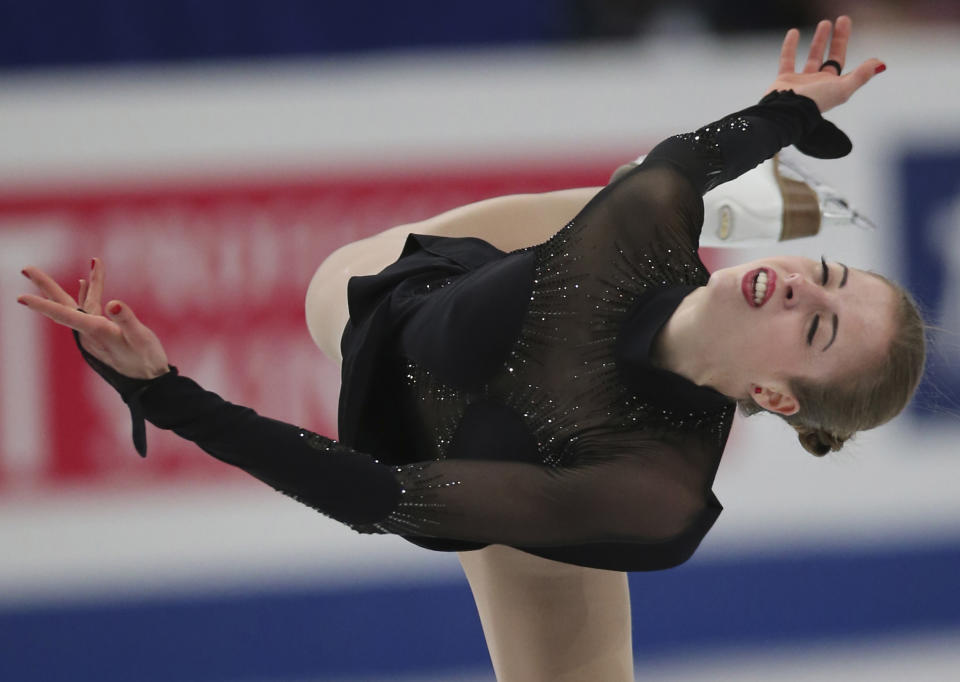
column 813, row 330
column 826, row 271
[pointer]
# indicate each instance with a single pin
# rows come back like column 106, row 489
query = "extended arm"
column 522, row 220
column 521, row 504
column 513, row 222
column 619, row 507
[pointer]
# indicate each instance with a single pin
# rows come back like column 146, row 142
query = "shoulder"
column 658, row 204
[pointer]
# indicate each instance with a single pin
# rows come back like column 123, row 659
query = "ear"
column 779, row 401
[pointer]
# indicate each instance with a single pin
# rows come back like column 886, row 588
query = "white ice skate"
column 776, row 201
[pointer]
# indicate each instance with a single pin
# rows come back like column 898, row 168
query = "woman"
column 572, row 399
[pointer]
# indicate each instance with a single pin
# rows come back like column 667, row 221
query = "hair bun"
column 819, row 442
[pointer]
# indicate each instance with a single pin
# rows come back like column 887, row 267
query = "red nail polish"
column 93, row 263
column 758, row 390
column 21, row 302
column 115, row 309
column 881, row 68
column 24, row 273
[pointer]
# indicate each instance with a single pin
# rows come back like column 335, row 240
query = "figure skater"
column 567, row 401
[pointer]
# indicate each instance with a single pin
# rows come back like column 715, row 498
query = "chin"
column 719, row 278
column 726, row 281
column 726, row 292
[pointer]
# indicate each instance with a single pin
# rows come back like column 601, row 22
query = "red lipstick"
column 749, row 280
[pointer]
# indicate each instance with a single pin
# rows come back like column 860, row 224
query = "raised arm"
column 789, row 113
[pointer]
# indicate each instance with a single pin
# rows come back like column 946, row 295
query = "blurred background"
column 213, row 153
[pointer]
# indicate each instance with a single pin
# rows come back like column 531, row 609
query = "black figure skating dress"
column 493, row 397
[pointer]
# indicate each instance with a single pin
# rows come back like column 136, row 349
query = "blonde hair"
column 831, row 413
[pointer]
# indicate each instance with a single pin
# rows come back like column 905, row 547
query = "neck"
column 683, row 348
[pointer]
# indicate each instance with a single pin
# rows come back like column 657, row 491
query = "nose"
column 800, row 290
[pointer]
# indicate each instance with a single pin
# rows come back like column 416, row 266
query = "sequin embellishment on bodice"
column 561, row 376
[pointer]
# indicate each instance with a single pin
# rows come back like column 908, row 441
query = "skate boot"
column 776, row 201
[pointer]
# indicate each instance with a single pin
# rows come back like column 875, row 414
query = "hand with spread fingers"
column 821, row 80
column 114, row 336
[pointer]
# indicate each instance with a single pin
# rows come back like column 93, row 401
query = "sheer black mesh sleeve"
column 661, row 200
column 348, row 486
column 725, row 149
column 619, row 499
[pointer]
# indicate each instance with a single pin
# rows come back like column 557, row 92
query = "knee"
column 325, row 305
column 326, row 299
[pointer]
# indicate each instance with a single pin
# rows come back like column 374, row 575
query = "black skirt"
column 371, row 418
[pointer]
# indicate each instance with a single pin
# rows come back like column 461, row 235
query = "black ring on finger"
column 834, row 63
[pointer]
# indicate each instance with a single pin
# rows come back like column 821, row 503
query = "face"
column 785, row 317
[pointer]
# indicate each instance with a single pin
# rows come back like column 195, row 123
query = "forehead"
column 873, row 296
column 866, row 316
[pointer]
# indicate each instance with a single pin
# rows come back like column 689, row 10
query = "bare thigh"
column 326, row 301
column 547, row 621
column 509, row 223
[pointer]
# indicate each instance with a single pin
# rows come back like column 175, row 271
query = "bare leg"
column 508, row 223
column 550, row 622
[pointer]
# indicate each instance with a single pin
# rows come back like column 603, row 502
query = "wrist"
column 787, row 94
column 158, row 372
column 818, row 137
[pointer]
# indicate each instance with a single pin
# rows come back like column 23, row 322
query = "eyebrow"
column 836, row 323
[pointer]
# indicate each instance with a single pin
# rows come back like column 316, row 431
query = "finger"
column 61, row 314
column 817, row 47
column 856, row 79
column 788, row 51
column 122, row 314
column 48, row 286
column 841, row 36
column 82, row 294
column 97, row 275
